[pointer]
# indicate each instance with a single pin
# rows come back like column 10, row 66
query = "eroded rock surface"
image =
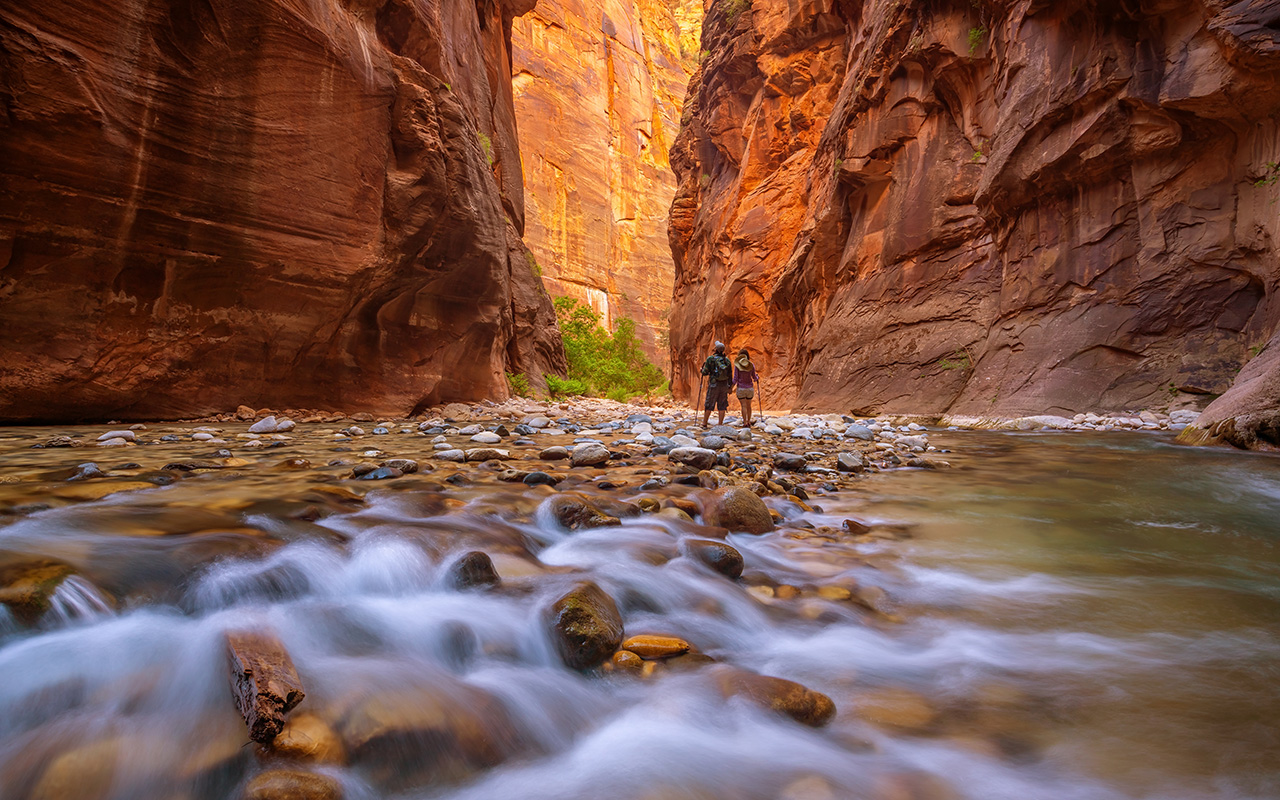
column 273, row 202
column 264, row 681
column 980, row 208
column 599, row 88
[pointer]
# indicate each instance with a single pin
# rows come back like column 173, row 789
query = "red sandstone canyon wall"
column 982, row 208
column 599, row 88
column 288, row 203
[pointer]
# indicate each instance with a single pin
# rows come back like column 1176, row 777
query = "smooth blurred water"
column 1067, row 617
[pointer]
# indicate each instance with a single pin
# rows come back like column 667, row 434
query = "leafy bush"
column 518, row 383
column 601, row 363
column 486, row 145
column 976, row 35
column 732, row 8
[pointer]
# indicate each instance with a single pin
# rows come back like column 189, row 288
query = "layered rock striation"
column 305, row 203
column 986, row 208
column 599, row 87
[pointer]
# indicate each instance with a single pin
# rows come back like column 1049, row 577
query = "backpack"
column 721, row 369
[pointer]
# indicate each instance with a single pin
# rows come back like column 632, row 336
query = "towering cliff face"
column 305, row 203
column 599, row 87
column 981, row 208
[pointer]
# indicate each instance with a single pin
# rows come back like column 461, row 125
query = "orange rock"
column 651, row 647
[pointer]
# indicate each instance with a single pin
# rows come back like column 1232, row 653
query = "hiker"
column 719, row 373
column 745, row 381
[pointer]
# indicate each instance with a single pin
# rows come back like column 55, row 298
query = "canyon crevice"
column 599, row 87
column 286, row 203
column 980, row 208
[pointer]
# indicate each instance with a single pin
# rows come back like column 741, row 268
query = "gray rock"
column 453, row 454
column 264, row 425
column 86, row 471
column 850, row 462
column 354, row 430
column 285, row 425
column 116, row 442
column 128, row 436
column 714, row 442
column 727, row 431
column 405, row 465
column 381, row 474
column 859, row 432
column 470, row 430
column 790, row 461
column 589, row 454
column 697, row 457
column 680, row 440
column 486, row 437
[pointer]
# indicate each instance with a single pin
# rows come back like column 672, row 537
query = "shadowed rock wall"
column 289, row 203
column 599, row 87
column 981, row 208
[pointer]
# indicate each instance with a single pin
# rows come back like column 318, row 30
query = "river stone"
column 486, row 437
column 473, row 571
column 790, row 461
column 773, row 430
column 850, row 462
column 585, row 626
column 128, row 436
column 713, row 442
column 292, row 784
column 538, row 422
column 116, row 442
column 738, row 509
column 452, row 454
column 651, row 647
column 697, row 457
column 470, row 430
column 25, row 588
column 554, row 454
column 720, row 556
column 627, row 661
column 406, row 465
column 307, row 737
column 859, row 432
column 381, row 474
column 777, row 694
column 680, row 440
column 486, row 454
column 86, row 471
column 263, row 680
column 574, row 512
column 264, row 425
column 589, row 454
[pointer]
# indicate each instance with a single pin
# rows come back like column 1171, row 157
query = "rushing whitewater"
column 1057, row 618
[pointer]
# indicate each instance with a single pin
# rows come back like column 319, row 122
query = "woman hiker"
column 745, row 381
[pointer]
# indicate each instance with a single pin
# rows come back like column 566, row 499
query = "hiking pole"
column 698, row 397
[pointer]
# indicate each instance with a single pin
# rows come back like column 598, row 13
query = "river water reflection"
column 1069, row 616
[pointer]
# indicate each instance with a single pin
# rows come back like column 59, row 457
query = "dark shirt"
column 711, row 366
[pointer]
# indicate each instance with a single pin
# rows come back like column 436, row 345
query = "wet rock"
column 128, row 436
column 539, row 479
column 790, row 461
column 474, row 570
column 720, row 556
column 585, row 626
column 406, row 466
column 697, row 457
column 288, row 784
column 627, row 661
column 648, row 646
column 589, row 454
column 860, row 432
column 778, row 694
column 486, row 454
column 899, row 708
column 454, row 455
column 713, row 442
column 381, row 474
column 86, row 471
column 554, row 454
column 850, row 462
column 486, row 437
column 307, row 737
column 263, row 680
column 26, row 588
column 855, row 527
column 573, row 511
column 738, row 509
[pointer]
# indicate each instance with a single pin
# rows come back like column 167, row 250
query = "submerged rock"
column 720, row 556
column 263, row 679
column 26, row 588
column 589, row 454
column 474, row 570
column 574, row 512
column 777, row 694
column 307, row 737
column 586, row 627
column 648, row 646
column 290, row 784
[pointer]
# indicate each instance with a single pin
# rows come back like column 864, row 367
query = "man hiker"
column 719, row 372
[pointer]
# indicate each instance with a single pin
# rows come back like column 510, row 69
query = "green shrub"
column 976, row 35
column 533, row 263
column 602, row 364
column 486, row 145
column 732, row 8
column 518, row 383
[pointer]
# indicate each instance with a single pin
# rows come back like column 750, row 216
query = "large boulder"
column 737, row 509
column 585, row 626
column 588, row 454
column 1248, row 414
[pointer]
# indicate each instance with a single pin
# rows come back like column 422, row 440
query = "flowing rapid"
column 1056, row 617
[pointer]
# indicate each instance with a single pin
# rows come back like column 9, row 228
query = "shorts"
column 717, row 397
column 746, row 394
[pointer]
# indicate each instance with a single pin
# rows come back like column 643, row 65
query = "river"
column 1056, row 617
